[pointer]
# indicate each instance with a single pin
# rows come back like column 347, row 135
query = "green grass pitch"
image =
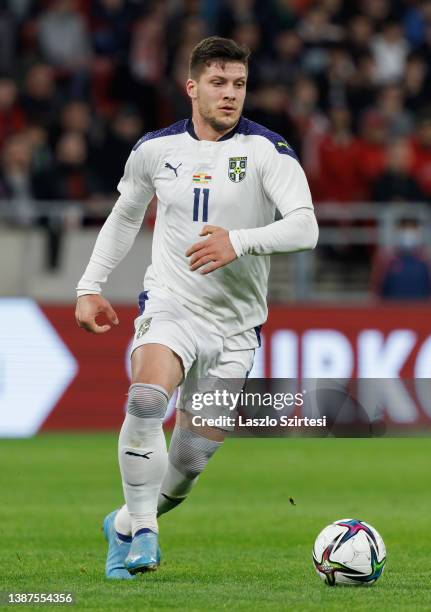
column 237, row 543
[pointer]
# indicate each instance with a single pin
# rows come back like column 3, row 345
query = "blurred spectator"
column 335, row 80
column 311, row 126
column 16, row 181
column 233, row 14
column 362, row 88
column 11, row 116
column 20, row 9
column 65, row 43
column 360, row 31
column 415, row 21
column 209, row 11
column 138, row 81
column 321, row 73
column 390, row 104
column 76, row 116
column 337, row 10
column 193, row 31
column 111, row 22
column 372, row 149
column 378, row 11
column 124, row 132
column 416, row 84
column 175, row 19
column 63, row 37
column 390, row 51
column 284, row 65
column 7, row 41
column 424, row 48
column 403, row 272
column 339, row 179
column 147, row 60
column 250, row 35
column 270, row 110
column 280, row 15
column 17, row 196
column 70, row 177
column 396, row 183
column 40, row 99
column 422, row 152
column 37, row 137
column 318, row 34
column 175, row 94
column 316, row 28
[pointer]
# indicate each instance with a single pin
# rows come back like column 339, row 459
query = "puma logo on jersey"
column 168, row 165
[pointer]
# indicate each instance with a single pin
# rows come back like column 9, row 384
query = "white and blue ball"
column 349, row 552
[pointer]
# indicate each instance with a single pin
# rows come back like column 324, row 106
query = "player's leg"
column 192, row 446
column 156, row 372
column 163, row 351
column 190, row 450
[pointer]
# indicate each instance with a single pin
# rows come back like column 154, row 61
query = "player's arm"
column 114, row 242
column 284, row 183
column 297, row 231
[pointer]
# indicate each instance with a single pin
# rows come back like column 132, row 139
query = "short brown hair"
column 216, row 49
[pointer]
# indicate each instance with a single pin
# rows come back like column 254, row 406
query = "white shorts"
column 201, row 347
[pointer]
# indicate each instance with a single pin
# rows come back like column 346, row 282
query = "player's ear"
column 191, row 87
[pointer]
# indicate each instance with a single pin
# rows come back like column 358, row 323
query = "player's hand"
column 216, row 251
column 88, row 308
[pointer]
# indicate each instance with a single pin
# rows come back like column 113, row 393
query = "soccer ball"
column 349, row 552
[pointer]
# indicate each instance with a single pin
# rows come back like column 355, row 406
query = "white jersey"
column 236, row 183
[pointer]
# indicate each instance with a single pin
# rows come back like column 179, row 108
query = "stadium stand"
column 347, row 84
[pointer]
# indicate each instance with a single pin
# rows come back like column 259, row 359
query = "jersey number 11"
column 196, row 204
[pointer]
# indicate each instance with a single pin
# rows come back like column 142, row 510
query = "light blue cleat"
column 144, row 554
column 118, row 547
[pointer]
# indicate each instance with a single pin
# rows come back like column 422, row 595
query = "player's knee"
column 147, row 401
column 189, row 452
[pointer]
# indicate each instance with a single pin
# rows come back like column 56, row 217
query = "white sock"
column 142, row 454
column 175, row 488
column 188, row 455
column 122, row 522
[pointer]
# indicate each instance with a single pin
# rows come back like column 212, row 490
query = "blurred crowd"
column 348, row 84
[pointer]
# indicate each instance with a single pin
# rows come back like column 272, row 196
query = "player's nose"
column 229, row 93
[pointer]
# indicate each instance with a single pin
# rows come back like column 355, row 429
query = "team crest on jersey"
column 237, row 169
column 143, row 328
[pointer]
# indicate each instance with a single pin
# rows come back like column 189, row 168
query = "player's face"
column 220, row 93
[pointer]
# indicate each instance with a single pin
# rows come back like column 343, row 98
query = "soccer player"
column 218, row 178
